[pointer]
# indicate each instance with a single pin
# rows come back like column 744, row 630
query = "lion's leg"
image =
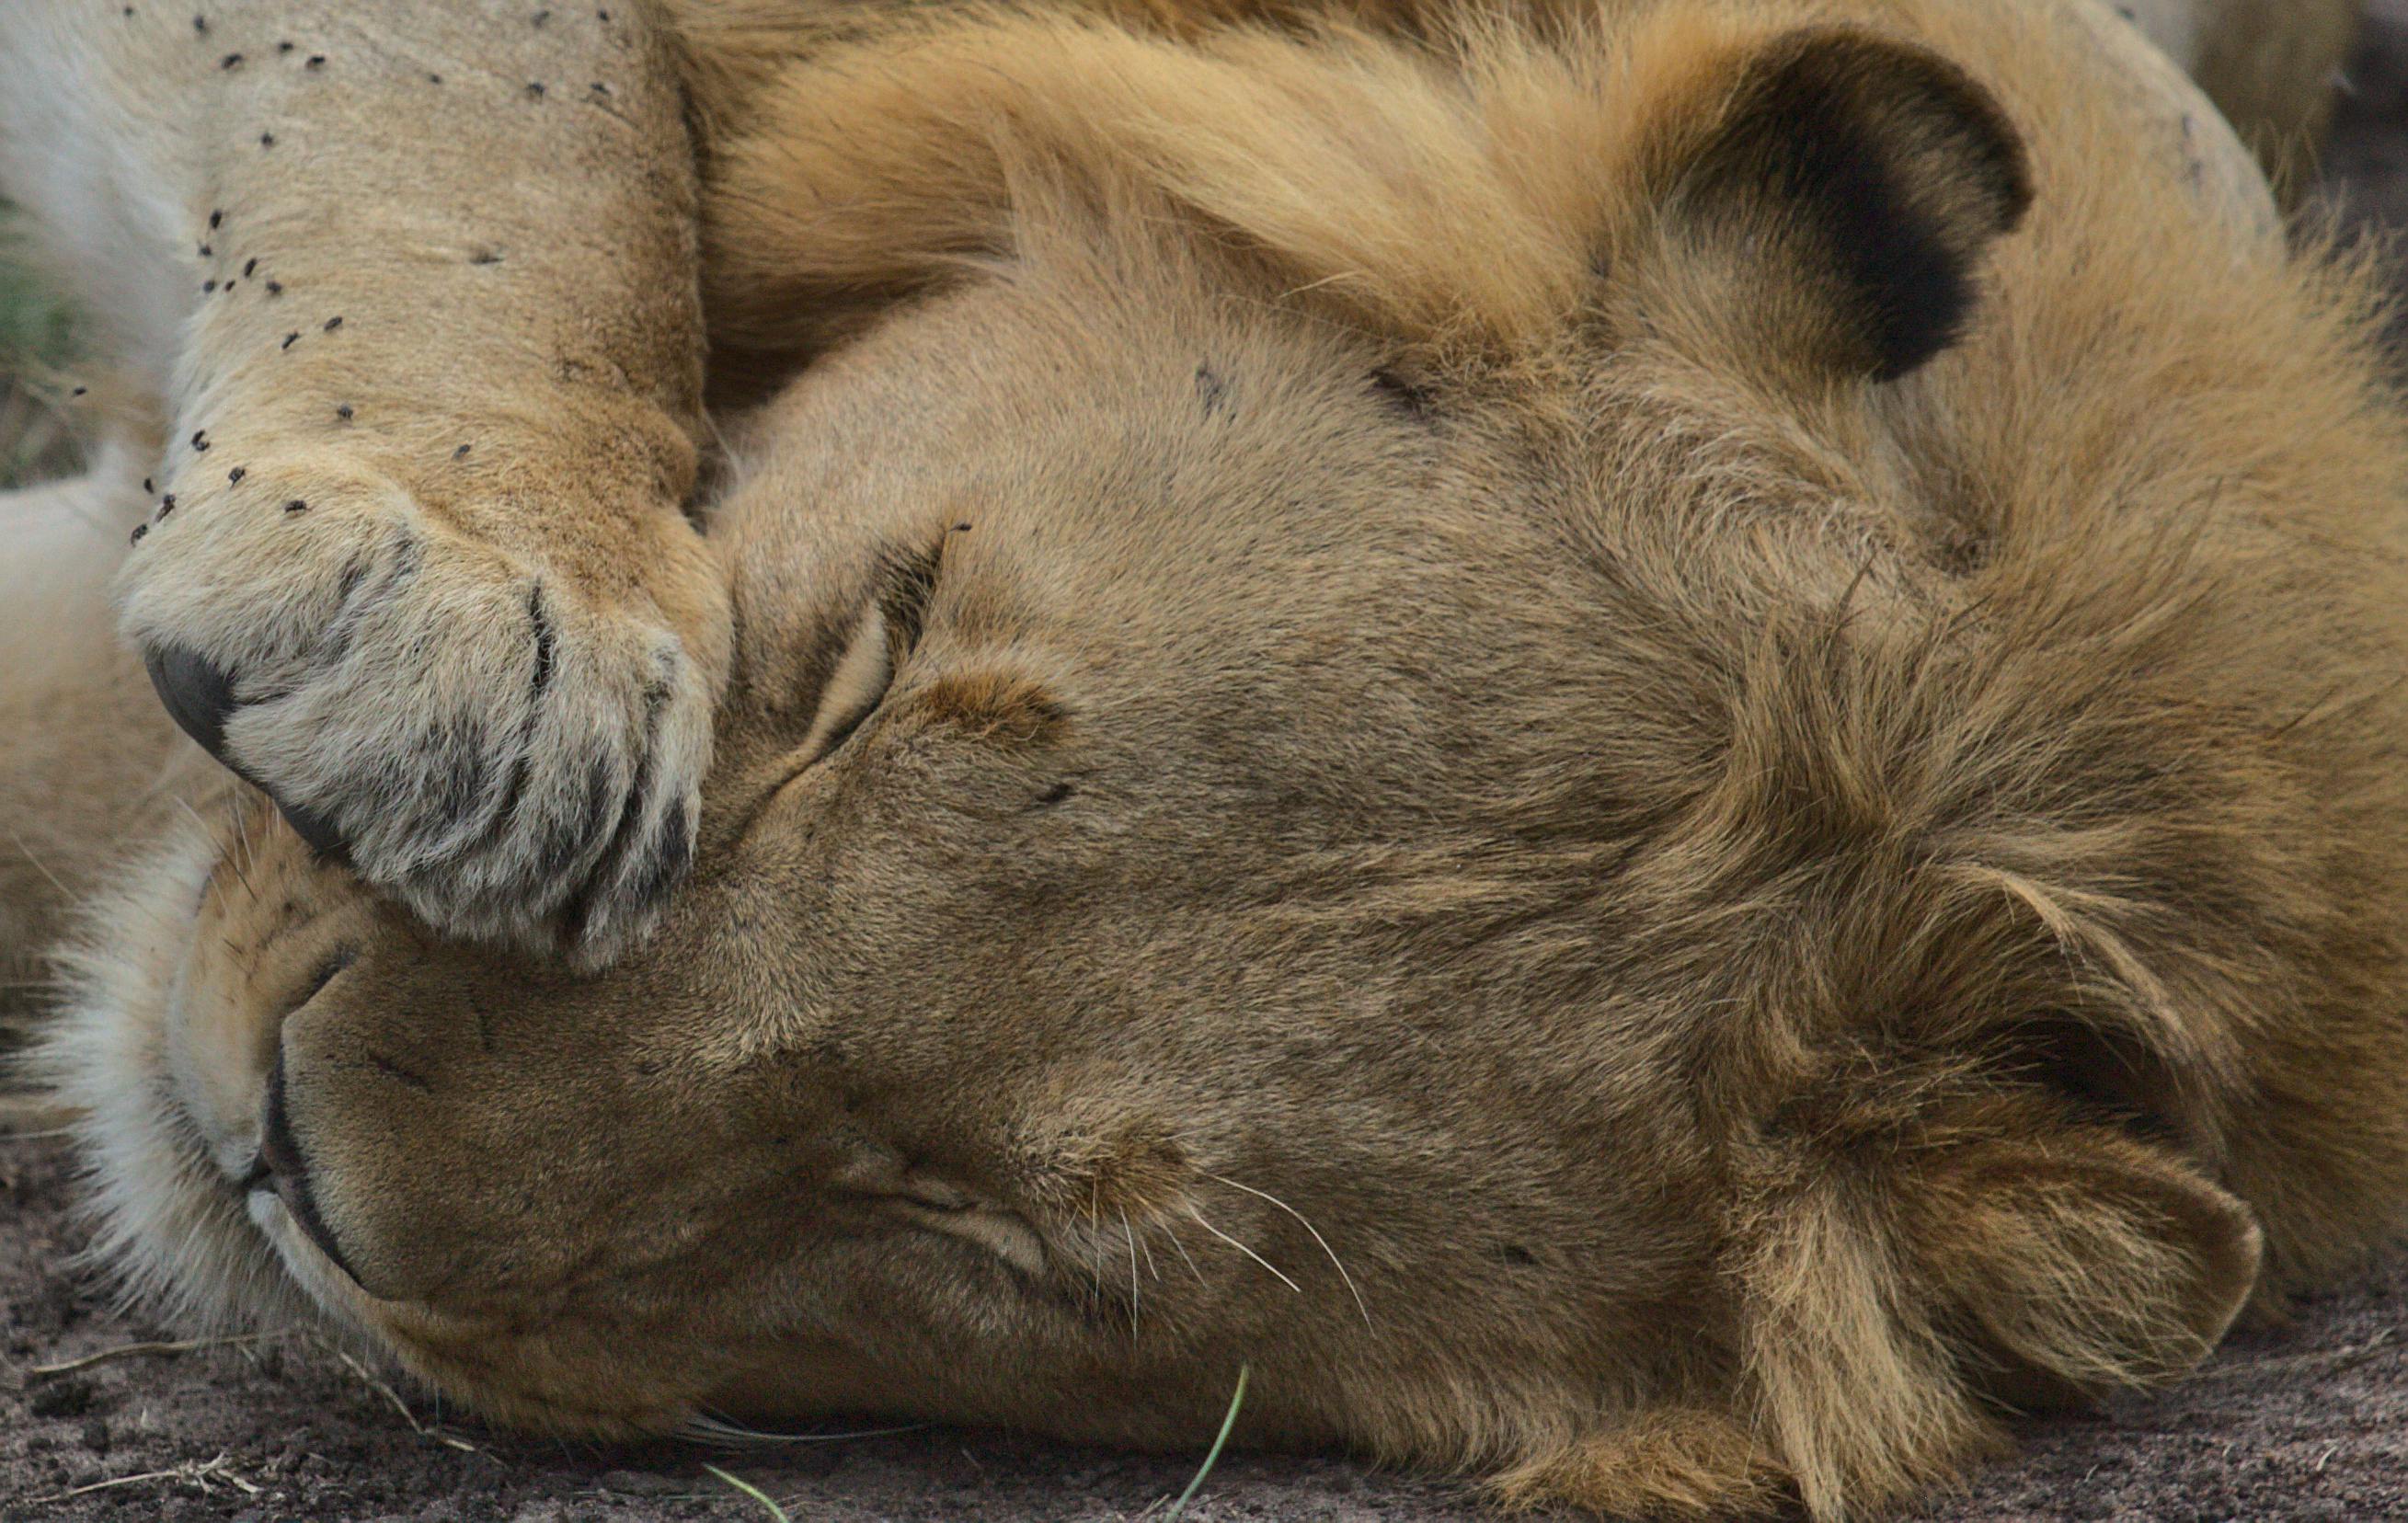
column 1676, row 1462
column 417, row 285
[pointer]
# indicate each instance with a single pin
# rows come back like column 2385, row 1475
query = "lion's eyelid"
column 855, row 688
column 906, row 589
column 889, row 630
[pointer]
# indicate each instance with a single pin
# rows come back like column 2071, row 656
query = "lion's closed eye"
column 854, row 690
column 886, row 632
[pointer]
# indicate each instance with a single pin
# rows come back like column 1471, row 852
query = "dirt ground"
column 2309, row 1422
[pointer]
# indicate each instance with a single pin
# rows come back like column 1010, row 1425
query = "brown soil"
column 2309, row 1422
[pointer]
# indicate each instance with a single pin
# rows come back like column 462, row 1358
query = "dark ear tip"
column 1925, row 104
column 1886, row 172
column 1993, row 151
column 198, row 693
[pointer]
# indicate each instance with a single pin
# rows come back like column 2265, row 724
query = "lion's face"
column 1148, row 823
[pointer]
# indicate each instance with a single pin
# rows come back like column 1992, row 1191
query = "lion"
column 1645, row 746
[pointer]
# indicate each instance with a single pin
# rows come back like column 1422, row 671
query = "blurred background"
column 2366, row 163
column 37, row 339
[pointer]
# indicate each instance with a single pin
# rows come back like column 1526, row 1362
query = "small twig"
column 121, row 1480
column 199, row 1474
column 423, row 1429
column 2350, row 1359
column 141, row 1351
column 372, row 1383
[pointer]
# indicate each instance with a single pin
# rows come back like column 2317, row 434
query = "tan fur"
column 1360, row 743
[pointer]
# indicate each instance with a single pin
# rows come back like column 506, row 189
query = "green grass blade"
column 753, row 1491
column 1236, row 1399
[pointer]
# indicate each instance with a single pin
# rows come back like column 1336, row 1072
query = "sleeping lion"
column 1654, row 745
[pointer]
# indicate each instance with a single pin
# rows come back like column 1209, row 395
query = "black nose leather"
column 199, row 696
column 289, row 1171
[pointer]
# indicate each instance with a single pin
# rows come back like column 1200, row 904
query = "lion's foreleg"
column 416, row 286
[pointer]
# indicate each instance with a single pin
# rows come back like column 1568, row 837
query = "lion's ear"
column 2081, row 1260
column 1837, row 203
column 1904, row 1280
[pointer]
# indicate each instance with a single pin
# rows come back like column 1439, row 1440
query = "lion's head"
column 1401, row 711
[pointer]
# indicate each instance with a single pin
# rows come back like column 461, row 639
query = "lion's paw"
column 515, row 757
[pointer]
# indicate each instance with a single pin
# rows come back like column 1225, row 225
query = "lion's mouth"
column 283, row 1172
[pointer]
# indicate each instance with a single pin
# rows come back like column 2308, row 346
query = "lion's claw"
column 199, row 696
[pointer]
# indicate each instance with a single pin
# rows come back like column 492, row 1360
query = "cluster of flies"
column 271, row 288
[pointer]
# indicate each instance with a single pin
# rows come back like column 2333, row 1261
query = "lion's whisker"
column 1316, row 1236
column 217, row 840
column 27, row 852
column 1135, row 1296
column 1176, row 1242
column 1244, row 1249
column 1150, row 1266
column 709, row 1427
column 242, row 829
column 1095, row 1261
column 206, row 828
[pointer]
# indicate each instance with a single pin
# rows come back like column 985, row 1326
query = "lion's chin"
column 171, row 1231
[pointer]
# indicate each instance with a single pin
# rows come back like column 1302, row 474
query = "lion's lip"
column 283, row 1170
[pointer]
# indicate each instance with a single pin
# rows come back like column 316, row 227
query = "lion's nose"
column 285, row 1170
